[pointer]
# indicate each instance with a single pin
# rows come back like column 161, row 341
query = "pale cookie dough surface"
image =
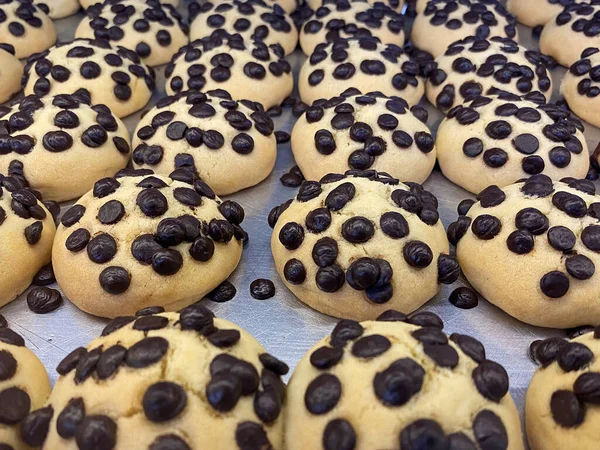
column 26, row 27
column 499, row 140
column 352, row 247
column 421, row 5
column 537, row 12
column 364, row 64
column 343, row 19
column 85, row 4
column 58, row 9
column 400, row 382
column 62, row 144
column 26, row 233
column 252, row 19
column 532, row 248
column 177, row 381
column 24, row 386
column 113, row 76
column 248, row 70
column 394, row 4
column 569, row 33
column 473, row 67
column 289, row 6
column 155, row 31
column 447, row 21
column 562, row 401
column 136, row 241
column 361, row 132
column 11, row 71
column 229, row 144
column 581, row 86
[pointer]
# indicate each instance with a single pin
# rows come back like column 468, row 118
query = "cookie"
column 142, row 239
column 165, row 374
column 26, row 233
column 562, row 399
column 498, row 140
column 113, row 76
column 252, row 19
column 537, row 12
column 394, row 4
column 85, row 4
column 153, row 30
column 58, row 9
column 230, row 145
column 248, row 70
column 474, row 67
column 25, row 26
column 420, row 5
column 398, row 386
column 531, row 249
column 24, row 386
column 370, row 131
column 343, row 19
column 289, row 6
column 11, row 71
column 354, row 245
column 569, row 33
column 446, row 21
column 581, row 86
column 61, row 144
column 364, row 64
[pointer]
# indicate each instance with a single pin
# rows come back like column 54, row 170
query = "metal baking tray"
column 282, row 324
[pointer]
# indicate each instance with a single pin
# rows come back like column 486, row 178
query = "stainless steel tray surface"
column 285, row 326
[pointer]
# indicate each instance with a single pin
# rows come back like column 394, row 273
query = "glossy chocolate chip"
column 554, row 284
column 223, row 392
column 574, row 356
column 262, row 289
column 489, row 431
column 34, row 428
column 42, row 300
column 470, row 346
column 294, row 271
column 222, row 293
column 357, row 230
column 397, row 384
column 152, row 202
column 97, row 432
column 110, row 360
column 251, row 436
column 486, row 226
column 423, row 434
column 146, row 352
column 318, row 220
column 163, row 401
column 464, row 298
column 70, row 418
column 561, row 238
column 339, row 435
column 491, row 380
column 322, row 394
column 14, row 405
column 371, row 346
column 580, row 267
column 330, row 279
column 587, row 388
column 291, row 235
column 567, row 411
column 417, row 254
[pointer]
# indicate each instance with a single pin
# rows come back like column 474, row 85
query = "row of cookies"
column 188, row 380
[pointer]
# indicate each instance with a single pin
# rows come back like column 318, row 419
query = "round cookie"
column 343, row 19
column 532, row 248
column 252, row 19
column 562, row 400
column 354, row 245
column 58, row 9
column 447, row 21
column 394, row 4
column 420, row 5
column 24, row 386
column 114, row 76
column 157, row 381
column 61, row 144
column 289, row 6
column 26, row 233
column 391, row 384
column 11, row 71
column 537, row 12
column 499, row 140
column 474, row 67
column 370, row 131
column 569, row 33
column 85, row 4
column 364, row 64
column 581, row 86
column 25, row 26
column 230, row 145
column 142, row 239
column 248, row 70
column 153, row 30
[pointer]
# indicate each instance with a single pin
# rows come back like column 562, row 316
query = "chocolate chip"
column 587, row 388
column 222, row 293
column 371, row 346
column 44, row 276
column 489, row 431
column 358, row 230
column 110, row 361
column 291, row 235
column 14, row 405
column 262, row 289
column 223, row 392
column 35, row 426
column 33, row 232
column 417, row 254
column 491, row 380
column 70, row 361
column 294, row 272
column 397, row 384
column 470, row 346
column 318, row 220
column 70, row 418
column 97, row 432
column 561, row 238
column 163, row 401
column 567, row 411
column 423, row 433
column 72, row 215
column 580, row 267
column 339, row 435
column 147, row 352
column 554, row 284
column 322, row 394
column 251, row 436
column 340, row 196
column 464, row 298
column 574, row 356
column 330, row 279
column 42, row 300
column 8, row 365
column 486, row 227
column 344, row 331
column 169, row 442
column 102, row 248
column 152, row 202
